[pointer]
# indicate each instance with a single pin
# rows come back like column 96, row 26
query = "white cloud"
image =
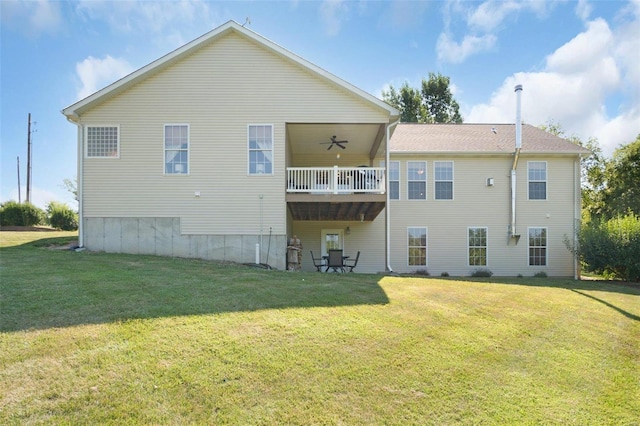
column 490, row 14
column 453, row 52
column 573, row 88
column 482, row 23
column 32, row 17
column 582, row 50
column 333, row 13
column 95, row 74
column 143, row 16
column 583, row 9
column 169, row 22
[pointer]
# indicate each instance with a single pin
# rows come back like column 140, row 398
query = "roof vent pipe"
column 518, row 91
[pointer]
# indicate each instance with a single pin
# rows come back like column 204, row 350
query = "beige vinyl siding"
column 261, row 87
column 366, row 237
column 478, row 205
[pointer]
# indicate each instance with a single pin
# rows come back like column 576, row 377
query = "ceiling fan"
column 335, row 142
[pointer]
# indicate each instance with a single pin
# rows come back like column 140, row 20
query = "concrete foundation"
column 161, row 236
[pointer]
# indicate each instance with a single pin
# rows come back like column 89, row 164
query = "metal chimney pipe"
column 518, row 90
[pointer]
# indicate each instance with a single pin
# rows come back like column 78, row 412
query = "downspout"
column 514, row 166
column 388, row 204
column 577, row 215
column 80, row 177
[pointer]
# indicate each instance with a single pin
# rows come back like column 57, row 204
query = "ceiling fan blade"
column 330, row 146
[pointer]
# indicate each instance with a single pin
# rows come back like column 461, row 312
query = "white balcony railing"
column 336, row 180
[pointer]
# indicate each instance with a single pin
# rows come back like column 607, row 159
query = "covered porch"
column 334, row 171
column 336, row 193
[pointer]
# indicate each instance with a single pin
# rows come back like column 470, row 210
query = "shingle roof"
column 477, row 138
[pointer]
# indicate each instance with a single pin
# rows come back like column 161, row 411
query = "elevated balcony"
column 336, row 193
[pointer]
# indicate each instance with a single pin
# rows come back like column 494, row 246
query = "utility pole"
column 29, row 160
column 19, row 191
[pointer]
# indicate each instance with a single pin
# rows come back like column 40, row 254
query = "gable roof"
column 73, row 111
column 477, row 139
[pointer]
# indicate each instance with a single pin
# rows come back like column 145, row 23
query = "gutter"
column 75, row 119
column 577, row 215
column 388, row 204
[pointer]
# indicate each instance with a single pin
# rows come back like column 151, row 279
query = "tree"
column 432, row 102
column 408, row 101
column 622, row 174
column 71, row 186
column 593, row 166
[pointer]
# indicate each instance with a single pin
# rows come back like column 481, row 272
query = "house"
column 229, row 145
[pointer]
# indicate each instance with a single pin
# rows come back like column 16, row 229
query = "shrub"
column 20, row 214
column 423, row 272
column 61, row 216
column 481, row 272
column 612, row 248
column 541, row 274
column 444, row 274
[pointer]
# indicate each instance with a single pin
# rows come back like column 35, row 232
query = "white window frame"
column 86, row 141
column 249, row 150
column 425, row 247
column 545, row 246
column 382, row 163
column 545, row 180
column 485, row 247
column 164, row 149
column 436, row 180
column 415, row 180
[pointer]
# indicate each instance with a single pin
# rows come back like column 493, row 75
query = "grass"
column 96, row 338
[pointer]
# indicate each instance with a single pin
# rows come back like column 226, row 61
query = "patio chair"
column 351, row 266
column 317, row 262
column 335, row 261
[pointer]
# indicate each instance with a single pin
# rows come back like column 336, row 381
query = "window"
column 537, row 246
column 417, row 246
column 261, row 149
column 103, row 141
column 537, row 180
column 416, row 180
column 477, row 238
column 176, row 149
column 443, row 178
column 394, row 179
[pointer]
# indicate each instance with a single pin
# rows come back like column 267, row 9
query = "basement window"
column 477, row 238
column 537, row 246
column 417, row 246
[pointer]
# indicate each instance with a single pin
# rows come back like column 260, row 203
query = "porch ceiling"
column 365, row 207
column 306, row 138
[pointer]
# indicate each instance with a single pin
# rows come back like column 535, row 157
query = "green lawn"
column 95, row 338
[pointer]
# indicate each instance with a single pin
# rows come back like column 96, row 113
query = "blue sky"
column 579, row 61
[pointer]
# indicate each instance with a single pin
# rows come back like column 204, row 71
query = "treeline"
column 57, row 215
column 608, row 242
